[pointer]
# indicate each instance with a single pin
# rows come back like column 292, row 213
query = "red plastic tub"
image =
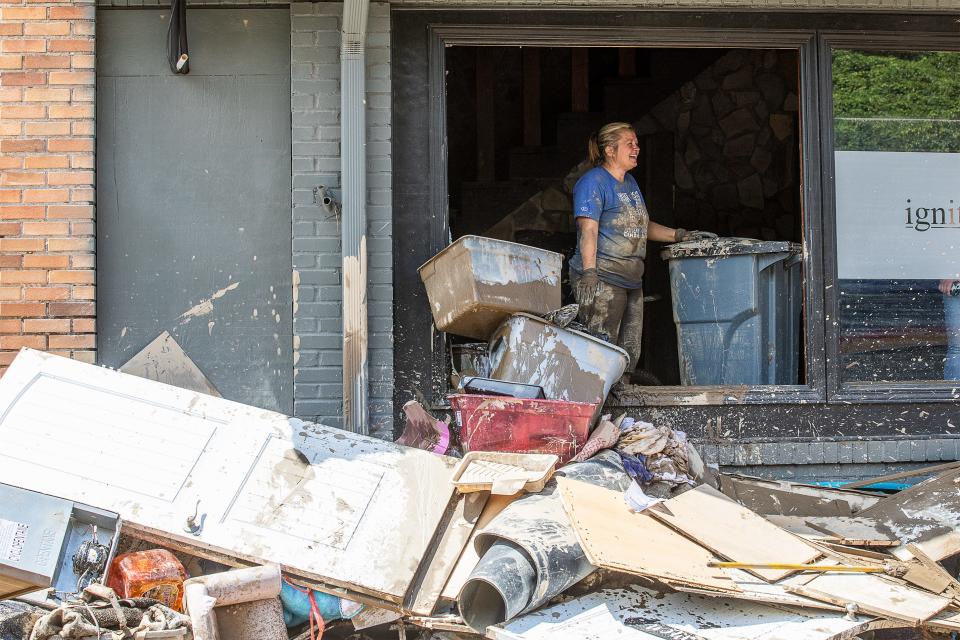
column 518, row 425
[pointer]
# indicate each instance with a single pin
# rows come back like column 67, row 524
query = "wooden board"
column 330, row 506
column 767, row 500
column 948, row 620
column 922, row 512
column 733, row 531
column 783, row 497
column 874, row 595
column 449, row 548
column 851, row 530
column 165, row 361
column 636, row 613
column 614, row 537
column 937, row 547
column 912, row 473
column 469, row 557
column 755, row 589
column 798, row 526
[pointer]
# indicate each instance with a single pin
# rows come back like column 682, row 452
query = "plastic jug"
column 155, row 573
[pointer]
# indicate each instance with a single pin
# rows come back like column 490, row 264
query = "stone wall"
column 736, row 155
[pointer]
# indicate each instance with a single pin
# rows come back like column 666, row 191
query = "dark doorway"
column 719, row 137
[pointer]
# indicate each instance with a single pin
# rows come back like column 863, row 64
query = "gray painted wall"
column 193, row 210
column 315, row 101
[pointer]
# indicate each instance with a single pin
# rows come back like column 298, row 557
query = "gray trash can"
column 737, row 305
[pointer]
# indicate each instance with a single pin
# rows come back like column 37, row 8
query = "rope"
column 314, row 611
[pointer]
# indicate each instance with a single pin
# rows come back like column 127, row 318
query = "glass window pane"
column 897, row 155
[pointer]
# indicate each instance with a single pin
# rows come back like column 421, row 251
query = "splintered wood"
column 733, row 531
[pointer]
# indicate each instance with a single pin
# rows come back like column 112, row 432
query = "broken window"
column 897, row 155
column 718, row 131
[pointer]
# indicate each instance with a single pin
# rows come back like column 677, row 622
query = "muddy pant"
column 618, row 314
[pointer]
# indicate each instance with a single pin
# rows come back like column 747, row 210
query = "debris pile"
column 529, row 516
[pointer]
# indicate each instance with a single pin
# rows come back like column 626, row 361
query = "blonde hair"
column 607, row 136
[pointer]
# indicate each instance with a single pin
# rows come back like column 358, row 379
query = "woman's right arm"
column 589, row 230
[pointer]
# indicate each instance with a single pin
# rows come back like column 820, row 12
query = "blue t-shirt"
column 623, row 218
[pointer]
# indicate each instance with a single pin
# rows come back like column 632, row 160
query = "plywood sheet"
column 330, row 506
column 797, row 525
column 733, row 531
column 875, row 595
column 936, row 547
column 165, row 361
column 922, row 512
column 765, row 499
column 793, row 498
column 851, row 530
column 614, row 537
column 637, row 613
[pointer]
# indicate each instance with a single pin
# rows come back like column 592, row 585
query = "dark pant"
column 618, row 314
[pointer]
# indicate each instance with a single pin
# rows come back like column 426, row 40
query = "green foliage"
column 896, row 101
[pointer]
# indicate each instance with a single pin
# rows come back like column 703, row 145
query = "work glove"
column 682, row 235
column 586, row 293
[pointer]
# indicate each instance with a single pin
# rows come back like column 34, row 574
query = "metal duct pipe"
column 353, row 230
column 529, row 552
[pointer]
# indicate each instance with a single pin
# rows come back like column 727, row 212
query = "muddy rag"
column 101, row 612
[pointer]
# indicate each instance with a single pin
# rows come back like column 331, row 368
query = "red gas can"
column 520, row 425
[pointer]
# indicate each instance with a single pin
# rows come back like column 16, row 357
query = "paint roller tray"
column 503, row 473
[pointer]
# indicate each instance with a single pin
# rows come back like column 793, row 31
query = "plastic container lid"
column 720, row 247
column 474, row 242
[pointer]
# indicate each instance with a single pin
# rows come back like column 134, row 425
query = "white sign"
column 13, row 538
column 898, row 215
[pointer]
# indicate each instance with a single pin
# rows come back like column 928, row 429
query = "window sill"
column 677, row 396
column 897, row 392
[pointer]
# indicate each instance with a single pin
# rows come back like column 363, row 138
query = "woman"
column 613, row 226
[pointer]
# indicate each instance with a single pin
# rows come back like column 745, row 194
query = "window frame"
column 838, row 391
column 803, row 41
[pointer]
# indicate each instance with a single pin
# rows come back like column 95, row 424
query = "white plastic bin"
column 568, row 364
column 476, row 283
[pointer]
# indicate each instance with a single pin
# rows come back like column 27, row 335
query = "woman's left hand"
column 682, row 235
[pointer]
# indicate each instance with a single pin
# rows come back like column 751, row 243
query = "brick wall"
column 46, row 178
column 315, row 102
